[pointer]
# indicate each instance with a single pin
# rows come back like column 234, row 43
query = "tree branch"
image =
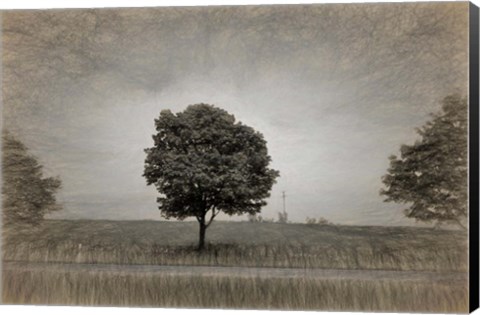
column 214, row 214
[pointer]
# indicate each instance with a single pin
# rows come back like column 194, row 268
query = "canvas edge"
column 474, row 160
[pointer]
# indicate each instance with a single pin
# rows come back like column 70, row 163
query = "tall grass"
column 240, row 244
column 235, row 244
column 105, row 288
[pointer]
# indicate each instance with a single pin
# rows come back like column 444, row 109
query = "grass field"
column 236, row 244
column 58, row 288
column 241, row 244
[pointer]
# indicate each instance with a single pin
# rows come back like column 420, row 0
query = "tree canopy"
column 26, row 194
column 204, row 161
column 431, row 174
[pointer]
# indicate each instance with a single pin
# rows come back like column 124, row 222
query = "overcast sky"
column 335, row 89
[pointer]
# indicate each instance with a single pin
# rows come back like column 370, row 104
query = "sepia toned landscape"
column 293, row 157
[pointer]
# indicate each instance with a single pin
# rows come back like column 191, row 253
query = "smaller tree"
column 431, row 174
column 26, row 195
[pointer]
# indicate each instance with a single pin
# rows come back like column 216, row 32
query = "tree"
column 431, row 174
column 203, row 161
column 27, row 196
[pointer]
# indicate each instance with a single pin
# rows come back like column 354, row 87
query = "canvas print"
column 293, row 157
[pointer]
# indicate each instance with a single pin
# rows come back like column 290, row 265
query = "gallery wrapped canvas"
column 281, row 157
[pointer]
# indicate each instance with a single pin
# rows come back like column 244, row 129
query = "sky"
column 335, row 89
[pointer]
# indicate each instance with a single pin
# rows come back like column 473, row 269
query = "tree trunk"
column 201, row 240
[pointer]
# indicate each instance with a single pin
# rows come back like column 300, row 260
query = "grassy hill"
column 240, row 244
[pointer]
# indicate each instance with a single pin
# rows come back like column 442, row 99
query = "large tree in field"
column 26, row 194
column 204, row 163
column 431, row 174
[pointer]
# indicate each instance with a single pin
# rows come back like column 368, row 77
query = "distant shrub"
column 254, row 218
column 323, row 221
column 310, row 220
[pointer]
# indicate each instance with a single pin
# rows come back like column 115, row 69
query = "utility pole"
column 284, row 206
